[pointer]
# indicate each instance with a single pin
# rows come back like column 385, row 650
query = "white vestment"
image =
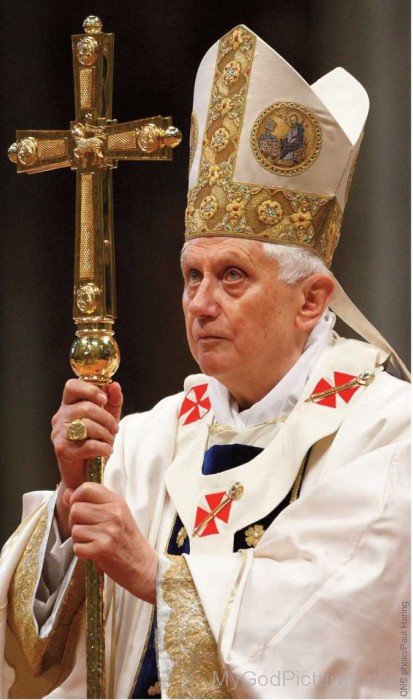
column 316, row 609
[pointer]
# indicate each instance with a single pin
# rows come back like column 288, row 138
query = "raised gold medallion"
column 286, row 138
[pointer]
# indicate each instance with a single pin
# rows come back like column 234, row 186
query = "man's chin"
column 213, row 365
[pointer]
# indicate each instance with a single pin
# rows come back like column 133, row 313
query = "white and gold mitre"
column 271, row 157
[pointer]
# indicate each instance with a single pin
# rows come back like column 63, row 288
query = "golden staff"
column 93, row 146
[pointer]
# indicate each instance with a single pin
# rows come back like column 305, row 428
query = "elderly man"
column 253, row 530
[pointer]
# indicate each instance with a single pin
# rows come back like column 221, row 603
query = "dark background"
column 158, row 48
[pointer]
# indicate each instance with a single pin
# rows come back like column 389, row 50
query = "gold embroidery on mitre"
column 188, row 639
column 193, row 138
column 40, row 652
column 218, row 206
column 286, row 138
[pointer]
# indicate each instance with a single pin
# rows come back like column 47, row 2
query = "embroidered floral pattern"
column 253, row 535
column 270, row 211
column 235, row 211
column 214, row 174
column 301, row 220
column 237, row 38
column 220, row 140
column 190, row 660
column 231, row 72
column 208, row 207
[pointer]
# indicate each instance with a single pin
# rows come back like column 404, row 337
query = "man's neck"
column 259, row 386
column 279, row 393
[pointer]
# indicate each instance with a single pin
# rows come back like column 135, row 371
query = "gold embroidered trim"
column 21, row 597
column 216, row 428
column 244, row 556
column 218, row 206
column 299, row 478
column 193, row 138
column 41, row 653
column 73, row 600
column 280, row 419
column 145, row 647
column 188, row 639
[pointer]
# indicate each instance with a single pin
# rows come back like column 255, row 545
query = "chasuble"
column 312, row 610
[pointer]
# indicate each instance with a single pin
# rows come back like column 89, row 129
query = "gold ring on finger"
column 76, row 430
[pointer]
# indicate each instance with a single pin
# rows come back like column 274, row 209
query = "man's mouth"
column 209, row 337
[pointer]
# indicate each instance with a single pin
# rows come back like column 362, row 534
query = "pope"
column 244, row 327
column 253, row 529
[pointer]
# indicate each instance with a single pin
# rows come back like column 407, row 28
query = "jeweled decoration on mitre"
column 273, row 162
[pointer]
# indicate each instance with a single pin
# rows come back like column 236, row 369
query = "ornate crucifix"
column 93, row 146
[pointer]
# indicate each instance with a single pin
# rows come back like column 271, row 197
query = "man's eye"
column 194, row 276
column 232, row 275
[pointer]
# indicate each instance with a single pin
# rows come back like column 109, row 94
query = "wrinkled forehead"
column 221, row 247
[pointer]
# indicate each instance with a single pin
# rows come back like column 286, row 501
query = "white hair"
column 294, row 263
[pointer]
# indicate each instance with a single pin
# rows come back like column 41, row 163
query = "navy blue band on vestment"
column 219, row 458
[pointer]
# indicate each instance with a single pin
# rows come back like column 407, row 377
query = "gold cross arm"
column 36, row 151
column 86, row 144
column 142, row 139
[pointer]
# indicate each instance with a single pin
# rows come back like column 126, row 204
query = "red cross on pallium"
column 340, row 378
column 213, row 500
column 196, row 404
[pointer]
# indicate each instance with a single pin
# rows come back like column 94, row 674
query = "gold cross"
column 93, row 146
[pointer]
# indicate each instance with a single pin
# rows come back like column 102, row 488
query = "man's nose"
column 203, row 301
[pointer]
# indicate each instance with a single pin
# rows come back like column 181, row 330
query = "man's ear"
column 315, row 293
